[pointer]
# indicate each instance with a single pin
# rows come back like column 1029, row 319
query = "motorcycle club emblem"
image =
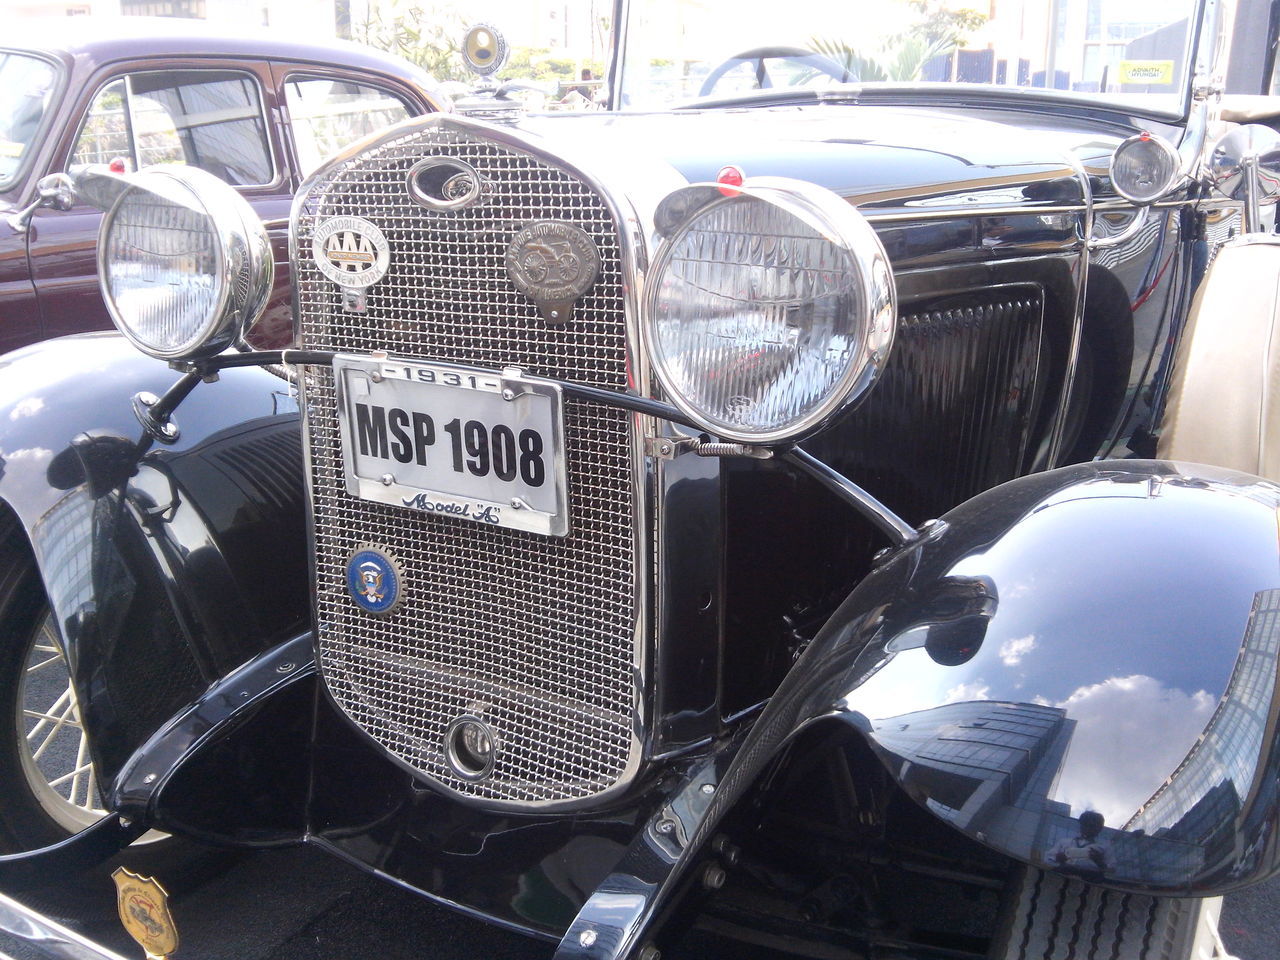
column 553, row 263
column 353, row 253
column 373, row 580
column 144, row 911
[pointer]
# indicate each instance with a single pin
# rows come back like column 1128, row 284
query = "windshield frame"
column 1207, row 38
column 41, row 135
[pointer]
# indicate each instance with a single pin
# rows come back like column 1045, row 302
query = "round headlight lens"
column 184, row 263
column 1144, row 168
column 770, row 309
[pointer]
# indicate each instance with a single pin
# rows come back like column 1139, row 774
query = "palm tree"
column 902, row 57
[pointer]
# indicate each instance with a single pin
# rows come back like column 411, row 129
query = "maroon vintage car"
column 259, row 112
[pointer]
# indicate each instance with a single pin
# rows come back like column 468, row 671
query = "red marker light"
column 117, row 165
column 1144, row 136
column 730, row 176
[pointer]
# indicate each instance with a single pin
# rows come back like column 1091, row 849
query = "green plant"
column 899, row 58
column 902, row 56
column 428, row 38
column 540, row 63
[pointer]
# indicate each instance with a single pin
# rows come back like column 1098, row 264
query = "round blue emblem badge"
column 373, row 580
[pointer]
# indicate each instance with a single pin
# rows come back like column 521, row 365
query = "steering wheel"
column 758, row 56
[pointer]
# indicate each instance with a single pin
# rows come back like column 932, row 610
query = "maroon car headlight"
column 770, row 307
column 184, row 263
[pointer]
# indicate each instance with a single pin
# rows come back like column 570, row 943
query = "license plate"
column 471, row 444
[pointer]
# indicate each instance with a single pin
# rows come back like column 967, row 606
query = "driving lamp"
column 771, row 307
column 184, row 263
column 1144, row 168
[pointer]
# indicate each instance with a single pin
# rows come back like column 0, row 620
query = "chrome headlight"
column 771, row 306
column 184, row 263
column 1144, row 168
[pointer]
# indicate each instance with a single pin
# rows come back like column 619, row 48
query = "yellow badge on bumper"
column 144, row 911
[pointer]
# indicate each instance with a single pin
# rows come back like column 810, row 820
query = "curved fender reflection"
column 1077, row 668
column 1112, row 713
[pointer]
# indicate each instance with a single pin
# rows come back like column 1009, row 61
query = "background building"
column 576, row 28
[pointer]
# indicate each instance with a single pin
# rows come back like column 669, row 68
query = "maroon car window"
column 26, row 84
column 105, row 135
column 205, row 118
column 329, row 114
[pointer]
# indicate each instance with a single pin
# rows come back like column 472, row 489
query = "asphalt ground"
column 301, row 904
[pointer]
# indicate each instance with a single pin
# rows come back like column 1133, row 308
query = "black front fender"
column 1076, row 668
column 168, row 565
column 1081, row 673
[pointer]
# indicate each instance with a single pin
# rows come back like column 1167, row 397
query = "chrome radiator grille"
column 535, row 634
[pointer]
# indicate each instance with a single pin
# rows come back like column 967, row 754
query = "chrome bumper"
column 50, row 938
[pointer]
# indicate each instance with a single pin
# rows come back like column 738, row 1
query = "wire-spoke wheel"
column 54, row 752
column 46, row 776
column 48, row 786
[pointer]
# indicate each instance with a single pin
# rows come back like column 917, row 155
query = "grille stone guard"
column 566, row 707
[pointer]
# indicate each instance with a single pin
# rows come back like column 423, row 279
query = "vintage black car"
column 823, row 495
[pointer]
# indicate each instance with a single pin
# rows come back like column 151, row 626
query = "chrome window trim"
column 631, row 192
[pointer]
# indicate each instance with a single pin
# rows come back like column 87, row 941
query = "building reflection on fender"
column 991, row 767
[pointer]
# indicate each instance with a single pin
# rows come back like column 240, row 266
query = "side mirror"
column 57, row 190
column 1245, row 166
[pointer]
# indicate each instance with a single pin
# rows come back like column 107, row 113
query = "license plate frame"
column 441, row 476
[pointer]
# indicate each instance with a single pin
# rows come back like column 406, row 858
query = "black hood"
column 879, row 157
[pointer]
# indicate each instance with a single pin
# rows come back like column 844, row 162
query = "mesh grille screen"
column 534, row 633
column 957, row 409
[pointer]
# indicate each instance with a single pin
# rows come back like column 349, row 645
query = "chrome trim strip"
column 618, row 51
column 1057, row 433
column 631, row 190
column 1105, row 206
column 48, row 936
column 972, row 212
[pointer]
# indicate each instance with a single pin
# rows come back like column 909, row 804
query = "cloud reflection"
column 1013, row 650
column 27, row 453
column 968, row 691
column 1130, row 735
column 27, row 407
